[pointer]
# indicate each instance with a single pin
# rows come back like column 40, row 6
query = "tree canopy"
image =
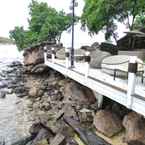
column 103, row 14
column 139, row 22
column 45, row 23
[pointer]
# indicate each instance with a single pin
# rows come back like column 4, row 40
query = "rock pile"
column 51, row 97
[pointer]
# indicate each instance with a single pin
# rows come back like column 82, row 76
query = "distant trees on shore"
column 45, row 23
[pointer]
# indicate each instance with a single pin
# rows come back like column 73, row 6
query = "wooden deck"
column 103, row 83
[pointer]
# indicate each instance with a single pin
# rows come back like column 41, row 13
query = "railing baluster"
column 45, row 54
column 132, row 70
column 53, row 54
column 87, row 63
column 67, row 57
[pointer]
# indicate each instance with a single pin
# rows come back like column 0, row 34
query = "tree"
column 45, row 23
column 139, row 22
column 103, row 15
column 18, row 35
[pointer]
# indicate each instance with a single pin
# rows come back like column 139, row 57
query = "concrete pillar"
column 99, row 98
column 45, row 54
column 53, row 54
column 132, row 70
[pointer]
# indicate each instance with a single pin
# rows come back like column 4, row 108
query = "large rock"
column 79, row 94
column 60, row 54
column 78, row 53
column 40, row 68
column 59, row 139
column 2, row 94
column 96, row 58
column 95, row 45
column 33, row 92
column 107, row 123
column 34, row 56
column 135, row 128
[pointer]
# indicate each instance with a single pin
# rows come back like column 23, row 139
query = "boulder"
column 40, row 68
column 78, row 53
column 59, row 139
column 2, row 94
column 23, row 141
column 60, row 54
column 80, row 94
column 15, row 64
column 34, row 56
column 97, row 57
column 95, row 46
column 33, row 92
column 3, row 84
column 107, row 123
column 135, row 128
column 85, row 47
column 35, row 128
column 42, row 142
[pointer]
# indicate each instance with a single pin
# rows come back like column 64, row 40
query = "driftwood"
column 88, row 137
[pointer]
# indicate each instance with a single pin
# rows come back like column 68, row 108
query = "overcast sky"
column 15, row 13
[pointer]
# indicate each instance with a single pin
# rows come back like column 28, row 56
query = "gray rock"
column 59, row 139
column 40, row 68
column 23, row 141
column 3, row 84
column 15, row 64
column 95, row 46
column 107, row 123
column 35, row 128
column 135, row 128
column 33, row 92
column 19, row 90
column 60, row 54
column 43, row 134
column 2, row 94
column 21, row 95
column 96, row 58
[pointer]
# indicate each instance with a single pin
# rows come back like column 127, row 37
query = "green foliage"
column 139, row 22
column 18, row 35
column 102, row 14
column 45, row 23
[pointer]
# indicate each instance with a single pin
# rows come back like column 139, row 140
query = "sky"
column 15, row 13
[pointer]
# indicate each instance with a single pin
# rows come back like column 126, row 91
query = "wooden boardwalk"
column 103, row 83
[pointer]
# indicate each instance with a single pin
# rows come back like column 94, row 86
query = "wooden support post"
column 52, row 54
column 67, row 57
column 45, row 54
column 132, row 70
column 87, row 63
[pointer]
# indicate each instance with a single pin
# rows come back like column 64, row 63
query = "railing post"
column 53, row 54
column 87, row 63
column 45, row 54
column 67, row 57
column 132, row 70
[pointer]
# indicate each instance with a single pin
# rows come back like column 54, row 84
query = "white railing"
column 132, row 70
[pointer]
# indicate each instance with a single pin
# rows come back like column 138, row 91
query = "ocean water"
column 10, row 110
